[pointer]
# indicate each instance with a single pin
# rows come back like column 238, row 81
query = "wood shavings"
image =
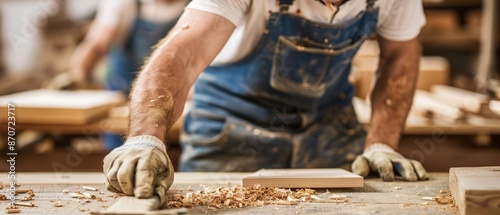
column 12, row 210
column 315, row 197
column 89, row 188
column 335, row 196
column 3, row 197
column 29, row 196
column 239, row 197
column 442, row 200
column 11, row 206
column 429, row 198
column 58, row 204
column 397, row 188
column 186, row 26
column 27, row 204
column 77, row 195
column 88, row 195
column 114, row 195
column 445, row 199
column 23, row 191
column 388, row 102
column 65, row 191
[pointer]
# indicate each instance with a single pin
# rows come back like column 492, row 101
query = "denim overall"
column 126, row 61
column 286, row 105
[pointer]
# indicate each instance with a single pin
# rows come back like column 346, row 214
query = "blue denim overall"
column 126, row 61
column 286, row 105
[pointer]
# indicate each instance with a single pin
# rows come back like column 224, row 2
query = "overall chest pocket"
column 301, row 66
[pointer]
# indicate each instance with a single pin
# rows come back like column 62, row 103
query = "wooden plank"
column 425, row 102
column 304, row 178
column 476, row 189
column 466, row 100
column 60, row 107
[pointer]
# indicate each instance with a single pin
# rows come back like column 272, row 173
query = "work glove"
column 382, row 159
column 140, row 167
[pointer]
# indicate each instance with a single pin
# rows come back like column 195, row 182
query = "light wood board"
column 476, row 189
column 304, row 178
column 59, row 107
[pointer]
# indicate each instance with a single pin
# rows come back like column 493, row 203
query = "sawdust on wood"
column 446, row 199
column 239, row 197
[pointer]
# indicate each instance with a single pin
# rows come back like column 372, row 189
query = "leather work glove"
column 140, row 167
column 382, row 159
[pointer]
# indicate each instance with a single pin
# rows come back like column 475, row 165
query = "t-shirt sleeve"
column 404, row 20
column 110, row 12
column 232, row 10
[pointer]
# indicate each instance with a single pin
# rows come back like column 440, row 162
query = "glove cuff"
column 146, row 141
column 379, row 147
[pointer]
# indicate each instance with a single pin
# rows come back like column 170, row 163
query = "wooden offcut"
column 304, row 178
column 59, row 107
column 476, row 189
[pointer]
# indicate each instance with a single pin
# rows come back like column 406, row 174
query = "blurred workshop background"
column 455, row 120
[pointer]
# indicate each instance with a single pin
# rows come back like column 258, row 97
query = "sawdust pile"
column 238, row 197
column 445, row 198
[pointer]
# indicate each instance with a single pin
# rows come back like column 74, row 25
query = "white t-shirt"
column 399, row 20
column 122, row 13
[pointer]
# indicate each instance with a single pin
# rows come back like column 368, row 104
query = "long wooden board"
column 304, row 178
column 476, row 189
column 59, row 107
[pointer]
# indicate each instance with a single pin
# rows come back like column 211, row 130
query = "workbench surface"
column 376, row 197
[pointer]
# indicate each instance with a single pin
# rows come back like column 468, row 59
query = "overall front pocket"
column 301, row 66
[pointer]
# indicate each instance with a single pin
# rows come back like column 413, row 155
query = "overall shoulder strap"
column 284, row 4
column 370, row 4
column 138, row 4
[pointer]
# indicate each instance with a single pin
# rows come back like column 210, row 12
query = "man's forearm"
column 392, row 95
column 159, row 94
column 160, row 91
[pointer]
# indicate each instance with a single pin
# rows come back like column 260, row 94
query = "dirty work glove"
column 139, row 167
column 382, row 159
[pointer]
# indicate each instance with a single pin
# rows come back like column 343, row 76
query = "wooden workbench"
column 376, row 197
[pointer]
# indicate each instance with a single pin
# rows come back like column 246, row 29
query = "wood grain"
column 476, row 189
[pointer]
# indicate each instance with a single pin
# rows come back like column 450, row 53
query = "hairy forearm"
column 159, row 94
column 392, row 96
column 161, row 89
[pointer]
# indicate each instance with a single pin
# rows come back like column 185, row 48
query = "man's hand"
column 384, row 160
column 140, row 167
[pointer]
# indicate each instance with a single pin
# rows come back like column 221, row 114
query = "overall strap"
column 138, row 5
column 370, row 4
column 284, row 4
